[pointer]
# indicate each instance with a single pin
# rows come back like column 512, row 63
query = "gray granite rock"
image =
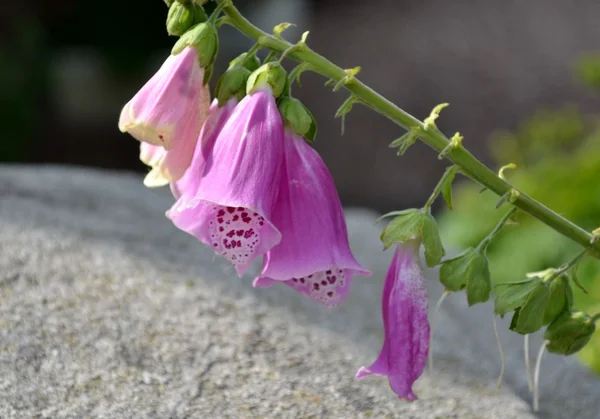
column 108, row 311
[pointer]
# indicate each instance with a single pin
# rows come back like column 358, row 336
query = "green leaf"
column 512, row 295
column 345, row 109
column 570, row 332
column 393, row 213
column 434, row 249
column 531, row 314
column 479, row 283
column 455, row 272
column 403, row 228
column 447, row 184
column 560, row 298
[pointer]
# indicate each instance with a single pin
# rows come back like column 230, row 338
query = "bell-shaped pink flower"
column 217, row 116
column 171, row 107
column 230, row 208
column 404, row 306
column 314, row 256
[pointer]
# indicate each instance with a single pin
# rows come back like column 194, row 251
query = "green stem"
column 567, row 266
column 434, row 138
column 486, row 242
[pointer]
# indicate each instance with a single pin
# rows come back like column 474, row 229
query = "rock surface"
column 108, row 311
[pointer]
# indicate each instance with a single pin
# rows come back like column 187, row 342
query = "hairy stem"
column 431, row 136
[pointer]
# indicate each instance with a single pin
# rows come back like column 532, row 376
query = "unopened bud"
column 295, row 115
column 251, row 63
column 570, row 332
column 232, row 83
column 271, row 74
column 181, row 17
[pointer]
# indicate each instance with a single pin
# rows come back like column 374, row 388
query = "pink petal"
column 217, row 116
column 404, row 308
column 171, row 107
column 314, row 256
column 230, row 208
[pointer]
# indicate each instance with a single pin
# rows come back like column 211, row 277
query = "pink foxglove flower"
column 217, row 116
column 404, row 307
column 314, row 256
column 230, row 210
column 170, row 108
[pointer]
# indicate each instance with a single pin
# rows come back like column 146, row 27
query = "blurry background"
column 521, row 77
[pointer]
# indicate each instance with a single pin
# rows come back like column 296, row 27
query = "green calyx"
column 271, row 74
column 203, row 37
column 232, row 84
column 417, row 225
column 468, row 270
column 297, row 117
column 569, row 332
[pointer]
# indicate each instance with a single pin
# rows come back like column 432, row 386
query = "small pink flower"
column 314, row 256
column 404, row 308
column 230, row 207
column 168, row 112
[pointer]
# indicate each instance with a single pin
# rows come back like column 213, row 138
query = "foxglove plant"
column 248, row 184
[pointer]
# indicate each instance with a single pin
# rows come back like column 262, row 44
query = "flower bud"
column 203, row 37
column 199, row 14
column 271, row 74
column 232, row 83
column 560, row 299
column 471, row 270
column 570, row 332
column 251, row 63
column 295, row 115
column 180, row 18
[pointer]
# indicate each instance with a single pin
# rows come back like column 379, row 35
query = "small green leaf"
column 434, row 249
column 345, row 109
column 455, row 272
column 560, row 298
column 447, row 184
column 512, row 295
column 531, row 314
column 394, row 213
column 403, row 228
column 479, row 283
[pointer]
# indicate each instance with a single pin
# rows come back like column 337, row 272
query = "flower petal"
column 314, row 255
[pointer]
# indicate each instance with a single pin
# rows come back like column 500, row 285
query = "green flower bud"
column 271, row 74
column 232, row 83
column 199, row 14
column 295, row 115
column 180, row 18
column 512, row 295
column 530, row 317
column 252, row 63
column 169, row 2
column 560, row 299
column 569, row 332
column 470, row 269
column 415, row 225
column 203, row 37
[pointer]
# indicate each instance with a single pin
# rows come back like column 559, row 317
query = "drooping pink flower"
column 404, row 308
column 230, row 208
column 314, row 256
column 170, row 108
column 217, row 116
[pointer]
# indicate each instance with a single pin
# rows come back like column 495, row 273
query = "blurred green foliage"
column 558, row 158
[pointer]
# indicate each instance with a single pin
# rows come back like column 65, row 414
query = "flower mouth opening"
column 327, row 287
column 235, row 233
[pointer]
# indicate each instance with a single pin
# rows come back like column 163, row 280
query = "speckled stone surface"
column 108, row 311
